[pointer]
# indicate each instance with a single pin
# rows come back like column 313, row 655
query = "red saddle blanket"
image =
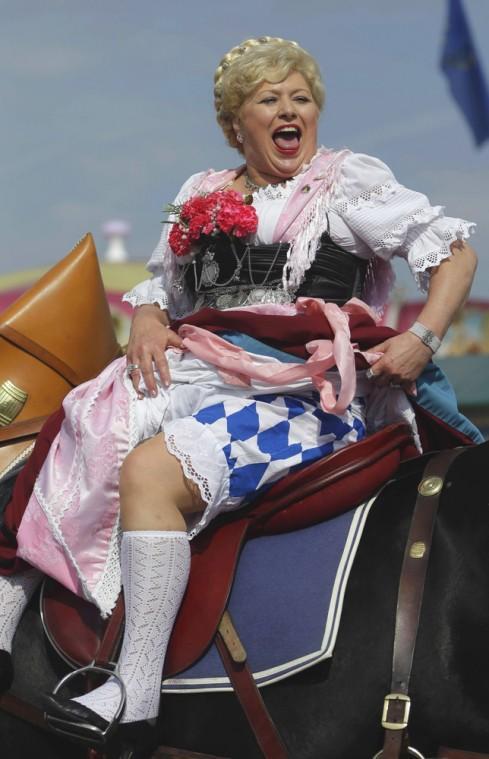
column 319, row 491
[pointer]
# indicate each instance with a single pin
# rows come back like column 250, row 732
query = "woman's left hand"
column 404, row 358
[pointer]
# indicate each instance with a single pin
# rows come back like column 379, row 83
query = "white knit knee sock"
column 155, row 568
column 15, row 593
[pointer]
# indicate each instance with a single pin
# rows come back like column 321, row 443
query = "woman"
column 193, row 433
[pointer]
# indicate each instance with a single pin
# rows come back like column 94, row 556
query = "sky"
column 107, row 108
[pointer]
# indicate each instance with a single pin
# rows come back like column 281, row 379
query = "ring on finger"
column 369, row 374
column 131, row 368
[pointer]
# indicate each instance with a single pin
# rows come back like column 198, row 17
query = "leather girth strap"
column 23, row 710
column 233, row 657
column 410, row 597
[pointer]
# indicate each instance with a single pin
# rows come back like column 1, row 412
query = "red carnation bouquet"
column 207, row 216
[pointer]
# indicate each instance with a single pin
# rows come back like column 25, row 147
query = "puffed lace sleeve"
column 164, row 268
column 392, row 220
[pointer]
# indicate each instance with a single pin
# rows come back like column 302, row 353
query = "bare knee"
column 140, row 469
column 152, row 483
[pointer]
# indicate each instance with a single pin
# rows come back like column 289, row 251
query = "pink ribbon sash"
column 237, row 367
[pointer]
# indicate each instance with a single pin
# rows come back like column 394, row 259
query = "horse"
column 333, row 709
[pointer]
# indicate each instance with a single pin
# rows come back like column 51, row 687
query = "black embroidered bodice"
column 224, row 275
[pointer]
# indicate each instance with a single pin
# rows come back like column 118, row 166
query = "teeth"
column 287, row 130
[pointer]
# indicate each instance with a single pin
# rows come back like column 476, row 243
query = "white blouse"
column 369, row 214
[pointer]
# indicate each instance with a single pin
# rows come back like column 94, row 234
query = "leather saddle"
column 317, row 492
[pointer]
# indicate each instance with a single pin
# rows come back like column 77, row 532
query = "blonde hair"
column 255, row 61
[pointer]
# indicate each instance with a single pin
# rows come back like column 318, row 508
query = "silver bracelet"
column 427, row 336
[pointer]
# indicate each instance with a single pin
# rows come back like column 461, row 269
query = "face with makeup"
column 278, row 123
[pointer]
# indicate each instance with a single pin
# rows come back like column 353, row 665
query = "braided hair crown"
column 232, row 55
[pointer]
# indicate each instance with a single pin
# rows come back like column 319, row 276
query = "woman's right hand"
column 149, row 338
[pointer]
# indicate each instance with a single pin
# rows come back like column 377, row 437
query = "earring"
column 239, row 137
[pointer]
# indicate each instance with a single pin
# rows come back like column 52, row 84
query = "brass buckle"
column 405, row 717
column 12, row 401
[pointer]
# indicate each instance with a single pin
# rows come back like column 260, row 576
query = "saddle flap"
column 333, row 484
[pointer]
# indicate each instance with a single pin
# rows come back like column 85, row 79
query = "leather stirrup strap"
column 24, row 710
column 410, row 597
column 259, row 719
column 112, row 635
column 108, row 646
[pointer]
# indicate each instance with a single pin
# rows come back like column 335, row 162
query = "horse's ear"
column 56, row 335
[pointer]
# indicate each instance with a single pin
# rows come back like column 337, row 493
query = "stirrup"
column 411, row 751
column 84, row 731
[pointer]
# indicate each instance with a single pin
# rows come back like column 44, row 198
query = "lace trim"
column 66, row 495
column 366, row 199
column 433, row 257
column 189, row 470
column 133, row 425
column 140, row 299
column 282, row 191
column 20, row 458
column 54, row 523
column 396, row 236
column 107, row 589
column 203, row 462
column 275, row 192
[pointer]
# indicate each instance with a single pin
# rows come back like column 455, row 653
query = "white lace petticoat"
column 233, row 442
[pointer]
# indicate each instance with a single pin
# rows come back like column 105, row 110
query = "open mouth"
column 287, row 138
